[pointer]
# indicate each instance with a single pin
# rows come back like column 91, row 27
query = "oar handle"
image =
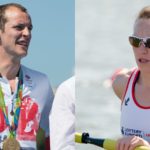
column 104, row 143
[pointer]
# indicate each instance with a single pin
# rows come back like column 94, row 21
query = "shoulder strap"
column 130, row 81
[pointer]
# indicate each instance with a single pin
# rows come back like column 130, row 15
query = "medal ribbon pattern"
column 13, row 126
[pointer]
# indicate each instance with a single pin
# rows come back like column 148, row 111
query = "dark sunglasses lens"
column 134, row 41
column 147, row 44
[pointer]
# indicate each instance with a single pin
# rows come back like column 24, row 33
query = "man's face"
column 16, row 36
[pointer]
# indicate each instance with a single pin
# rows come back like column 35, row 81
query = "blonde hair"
column 144, row 13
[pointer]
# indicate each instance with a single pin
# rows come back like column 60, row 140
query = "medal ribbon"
column 14, row 125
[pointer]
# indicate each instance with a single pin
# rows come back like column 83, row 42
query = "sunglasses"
column 136, row 41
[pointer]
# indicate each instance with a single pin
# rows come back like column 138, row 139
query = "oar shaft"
column 84, row 138
column 98, row 142
column 107, row 144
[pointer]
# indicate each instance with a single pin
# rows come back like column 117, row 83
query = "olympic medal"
column 11, row 144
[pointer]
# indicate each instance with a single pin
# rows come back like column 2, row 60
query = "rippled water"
column 102, row 30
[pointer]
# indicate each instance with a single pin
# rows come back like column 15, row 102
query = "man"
column 25, row 95
column 62, row 117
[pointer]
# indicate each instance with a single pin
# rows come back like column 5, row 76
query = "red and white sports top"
column 135, row 119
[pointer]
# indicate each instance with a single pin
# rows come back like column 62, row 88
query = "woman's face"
column 142, row 53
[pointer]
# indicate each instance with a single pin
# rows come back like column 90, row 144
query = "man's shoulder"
column 32, row 71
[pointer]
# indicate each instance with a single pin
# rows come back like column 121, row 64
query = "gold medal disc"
column 11, row 144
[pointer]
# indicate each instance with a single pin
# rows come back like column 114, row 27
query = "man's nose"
column 26, row 31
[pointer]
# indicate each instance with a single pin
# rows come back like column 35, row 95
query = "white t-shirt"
column 35, row 108
column 62, row 117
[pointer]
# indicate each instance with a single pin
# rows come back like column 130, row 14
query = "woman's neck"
column 144, row 79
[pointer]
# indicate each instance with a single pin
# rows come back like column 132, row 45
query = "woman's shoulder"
column 120, row 81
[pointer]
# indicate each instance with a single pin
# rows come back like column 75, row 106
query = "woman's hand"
column 131, row 142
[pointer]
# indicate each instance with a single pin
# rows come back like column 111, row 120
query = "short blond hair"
column 144, row 13
column 4, row 7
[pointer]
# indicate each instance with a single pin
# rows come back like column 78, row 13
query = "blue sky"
column 52, row 48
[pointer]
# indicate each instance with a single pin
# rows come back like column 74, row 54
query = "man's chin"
column 23, row 53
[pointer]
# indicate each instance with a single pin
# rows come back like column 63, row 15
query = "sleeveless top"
column 135, row 118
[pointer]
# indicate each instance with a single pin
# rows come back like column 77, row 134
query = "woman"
column 133, row 88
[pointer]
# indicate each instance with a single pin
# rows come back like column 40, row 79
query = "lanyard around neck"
column 13, row 126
